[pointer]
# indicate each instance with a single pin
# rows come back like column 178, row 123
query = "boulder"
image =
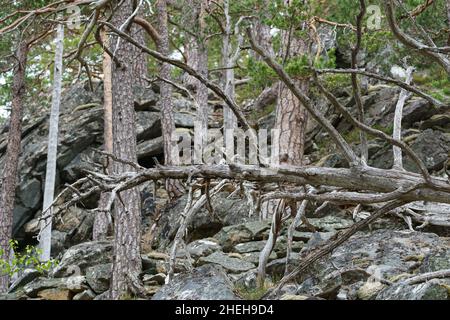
column 203, row 247
column 98, row 277
column 430, row 290
column 227, row 211
column 85, row 295
column 60, row 286
column 229, row 236
column 385, row 254
column 208, row 282
column 232, row 265
column 78, row 258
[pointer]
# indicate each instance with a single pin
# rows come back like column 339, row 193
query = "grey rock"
column 27, row 276
column 85, row 295
column 385, row 253
column 227, row 212
column 82, row 256
column 431, row 146
column 245, row 232
column 58, row 240
column 233, row 265
column 203, row 247
column 431, row 290
column 74, row 284
column 208, row 282
column 158, row 278
column 98, row 277
column 77, row 223
column 253, row 257
column 30, row 193
column 253, row 246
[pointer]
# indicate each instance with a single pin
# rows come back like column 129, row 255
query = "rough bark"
column 45, row 235
column 173, row 187
column 102, row 218
column 140, row 69
column 291, row 119
column 9, row 174
column 127, row 219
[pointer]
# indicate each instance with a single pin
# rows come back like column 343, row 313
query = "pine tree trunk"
column 9, row 174
column 291, row 116
column 173, row 187
column 127, row 217
column 45, row 235
column 102, row 221
column 140, row 66
column 291, row 119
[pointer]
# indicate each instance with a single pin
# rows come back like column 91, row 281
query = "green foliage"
column 29, row 257
column 260, row 73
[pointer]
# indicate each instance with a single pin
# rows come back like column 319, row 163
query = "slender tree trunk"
column 10, row 166
column 173, row 187
column 229, row 119
column 397, row 133
column 45, row 235
column 102, row 219
column 127, row 217
column 197, row 53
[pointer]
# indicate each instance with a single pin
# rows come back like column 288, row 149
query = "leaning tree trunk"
column 173, row 187
column 45, row 234
column 291, row 119
column 127, row 217
column 102, row 218
column 10, row 164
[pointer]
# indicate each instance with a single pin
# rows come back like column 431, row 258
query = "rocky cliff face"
column 220, row 259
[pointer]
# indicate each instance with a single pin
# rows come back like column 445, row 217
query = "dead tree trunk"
column 229, row 119
column 45, row 234
column 10, row 166
column 397, row 134
column 102, row 218
column 127, row 217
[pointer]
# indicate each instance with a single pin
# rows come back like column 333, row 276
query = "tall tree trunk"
column 291, row 119
column 197, row 53
column 45, row 235
column 10, row 165
column 140, row 66
column 127, row 217
column 229, row 119
column 173, row 187
column 102, row 220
